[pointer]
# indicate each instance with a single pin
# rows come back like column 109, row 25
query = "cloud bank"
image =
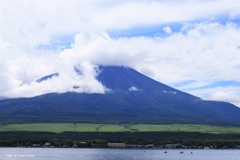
column 39, row 38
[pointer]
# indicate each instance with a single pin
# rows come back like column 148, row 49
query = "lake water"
column 115, row 154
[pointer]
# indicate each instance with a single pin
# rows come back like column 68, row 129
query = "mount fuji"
column 132, row 98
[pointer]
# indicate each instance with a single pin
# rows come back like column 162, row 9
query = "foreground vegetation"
column 87, row 127
column 100, row 139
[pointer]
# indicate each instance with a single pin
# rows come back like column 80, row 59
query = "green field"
column 85, row 127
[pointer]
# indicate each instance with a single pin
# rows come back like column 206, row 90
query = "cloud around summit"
column 189, row 45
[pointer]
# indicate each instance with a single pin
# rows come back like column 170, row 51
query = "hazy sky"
column 191, row 45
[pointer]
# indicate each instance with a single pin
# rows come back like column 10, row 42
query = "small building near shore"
column 117, row 145
column 149, row 146
column 47, row 144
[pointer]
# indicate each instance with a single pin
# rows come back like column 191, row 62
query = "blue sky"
column 192, row 45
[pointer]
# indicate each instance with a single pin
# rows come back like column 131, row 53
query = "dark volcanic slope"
column 122, row 79
column 135, row 98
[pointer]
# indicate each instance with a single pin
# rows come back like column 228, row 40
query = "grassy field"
column 84, row 127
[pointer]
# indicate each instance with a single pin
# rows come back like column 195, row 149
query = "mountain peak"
column 118, row 78
column 45, row 78
column 125, row 78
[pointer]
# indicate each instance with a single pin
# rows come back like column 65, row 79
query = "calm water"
column 115, row 154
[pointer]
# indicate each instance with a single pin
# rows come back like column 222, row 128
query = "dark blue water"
column 115, row 154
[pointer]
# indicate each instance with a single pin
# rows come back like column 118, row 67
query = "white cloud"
column 134, row 88
column 67, row 81
column 167, row 30
column 147, row 13
column 182, row 56
column 228, row 96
